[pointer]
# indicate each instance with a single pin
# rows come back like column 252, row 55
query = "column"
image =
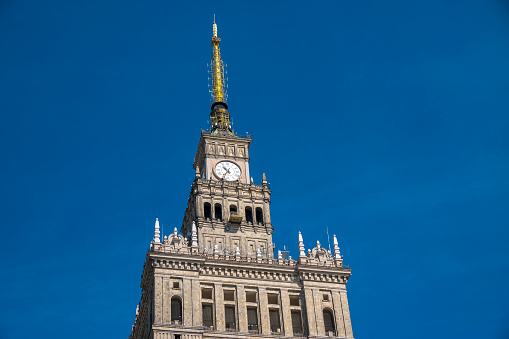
column 158, row 299
column 338, row 314
column 241, row 308
column 320, row 327
column 187, row 305
column 196, row 293
column 166, row 302
column 264, row 310
column 219, row 306
column 346, row 314
column 310, row 311
column 287, row 314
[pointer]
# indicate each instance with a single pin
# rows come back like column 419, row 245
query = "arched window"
column 176, row 310
column 259, row 215
column 218, row 212
column 207, row 211
column 328, row 321
column 249, row 214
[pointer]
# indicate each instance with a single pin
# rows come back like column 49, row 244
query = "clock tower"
column 219, row 279
column 231, row 213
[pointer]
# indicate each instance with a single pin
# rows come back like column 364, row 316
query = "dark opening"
column 233, row 208
column 206, row 311
column 328, row 322
column 229, row 318
column 294, row 300
column 218, row 213
column 178, row 336
column 229, row 295
column 272, row 299
column 251, row 297
column 252, row 320
column 176, row 284
column 259, row 215
column 206, row 293
column 249, row 214
column 274, row 321
column 207, row 211
column 296, row 322
column 176, row 310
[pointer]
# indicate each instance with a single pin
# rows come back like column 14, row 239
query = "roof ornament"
column 264, row 179
column 194, row 235
column 157, row 234
column 337, row 254
column 302, row 249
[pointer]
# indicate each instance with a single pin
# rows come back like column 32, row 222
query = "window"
column 294, row 300
column 252, row 319
column 229, row 295
column 206, row 293
column 273, row 299
column 218, row 213
column 176, row 284
column 176, row 310
column 233, row 208
column 206, row 311
column 325, row 297
column 207, row 211
column 274, row 321
column 259, row 215
column 328, row 321
column 229, row 318
column 251, row 297
column 249, row 214
column 296, row 322
column 178, row 336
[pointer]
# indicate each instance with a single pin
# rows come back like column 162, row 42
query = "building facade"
column 219, row 278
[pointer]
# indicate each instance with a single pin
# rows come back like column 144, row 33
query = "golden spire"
column 219, row 117
column 217, row 68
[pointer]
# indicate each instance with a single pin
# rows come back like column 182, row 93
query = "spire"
column 337, row 254
column 157, row 234
column 219, row 117
column 302, row 249
column 194, row 235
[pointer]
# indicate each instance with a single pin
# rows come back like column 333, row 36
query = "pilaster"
column 187, row 318
column 196, row 297
column 264, row 310
column 219, row 306
column 241, row 308
column 346, row 314
column 338, row 314
column 166, row 302
column 320, row 327
column 158, row 300
column 310, row 311
column 287, row 316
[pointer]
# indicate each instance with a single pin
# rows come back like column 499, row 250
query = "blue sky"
column 386, row 121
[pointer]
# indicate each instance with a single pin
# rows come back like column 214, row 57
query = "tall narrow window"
column 297, row 323
column 275, row 326
column 207, row 211
column 176, row 310
column 259, row 215
column 229, row 318
column 328, row 321
column 252, row 320
column 218, row 213
column 208, row 321
column 249, row 214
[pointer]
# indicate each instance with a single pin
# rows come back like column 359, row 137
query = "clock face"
column 227, row 170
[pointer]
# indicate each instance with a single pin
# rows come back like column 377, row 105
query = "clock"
column 227, row 170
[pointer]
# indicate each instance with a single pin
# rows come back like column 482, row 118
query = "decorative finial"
column 219, row 117
column 279, row 255
column 197, row 174
column 264, row 179
column 302, row 249
column 157, row 234
column 216, row 249
column 337, row 254
column 318, row 245
column 175, row 232
column 237, row 252
column 258, row 253
column 194, row 235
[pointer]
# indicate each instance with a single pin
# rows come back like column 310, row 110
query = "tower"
column 219, row 278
